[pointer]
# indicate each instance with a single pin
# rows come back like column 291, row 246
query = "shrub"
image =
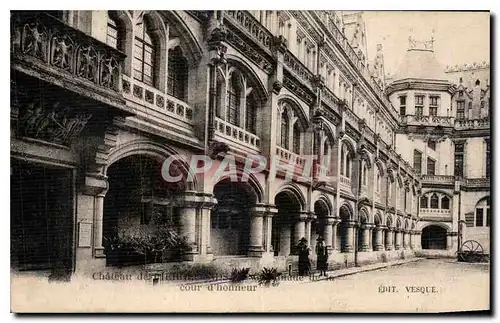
column 269, row 276
column 239, row 275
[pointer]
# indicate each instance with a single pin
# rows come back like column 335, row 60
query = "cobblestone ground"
column 422, row 286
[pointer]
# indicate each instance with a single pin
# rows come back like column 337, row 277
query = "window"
column 459, row 159
column 461, row 93
column 402, row 106
column 342, row 163
column 488, row 160
column 285, row 123
column 365, row 171
column 112, row 33
column 417, row 161
column 419, row 105
column 431, row 144
column 483, row 213
column 144, row 53
column 434, row 201
column 424, row 202
column 479, row 217
column 177, row 74
column 348, row 165
column 250, row 114
column 433, row 106
column 296, row 139
column 445, row 203
column 233, row 99
column 431, row 166
column 461, row 109
column 378, row 181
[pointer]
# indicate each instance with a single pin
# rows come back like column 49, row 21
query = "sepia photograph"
column 250, row 161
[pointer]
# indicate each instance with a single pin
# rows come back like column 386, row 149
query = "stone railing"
column 290, row 157
column 438, row 179
column 345, row 181
column 299, row 69
column 43, row 40
column 428, row 120
column 235, row 133
column 472, row 124
column 435, row 211
column 329, row 97
column 153, row 98
column 252, row 26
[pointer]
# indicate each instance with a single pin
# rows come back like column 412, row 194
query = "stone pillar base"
column 347, row 249
column 365, row 248
column 190, row 256
column 378, row 248
column 397, row 247
column 389, row 248
column 255, row 251
column 99, row 252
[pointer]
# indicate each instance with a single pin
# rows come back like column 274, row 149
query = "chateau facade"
column 100, row 99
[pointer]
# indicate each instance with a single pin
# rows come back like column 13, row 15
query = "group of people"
column 321, row 257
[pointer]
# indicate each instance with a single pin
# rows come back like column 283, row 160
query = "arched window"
column 348, row 165
column 112, row 32
column 326, row 153
column 285, row 125
column 250, row 114
column 233, row 100
column 482, row 211
column 378, row 181
column 365, row 175
column 342, row 161
column 220, row 95
column 177, row 74
column 389, row 190
column 434, row 201
column 144, row 53
column 296, row 139
column 445, row 203
column 424, row 202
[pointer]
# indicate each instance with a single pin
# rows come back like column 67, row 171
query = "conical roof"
column 420, row 64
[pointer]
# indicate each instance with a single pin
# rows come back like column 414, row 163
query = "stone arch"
column 292, row 103
column 346, row 209
column 389, row 221
column 251, row 185
column 154, row 150
column 364, row 215
column 190, row 45
column 377, row 219
column 434, row 236
column 234, row 62
column 323, row 199
column 126, row 36
column 439, row 224
column 294, row 191
column 380, row 166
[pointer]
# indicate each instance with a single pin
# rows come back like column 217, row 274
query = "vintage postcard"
column 250, row 161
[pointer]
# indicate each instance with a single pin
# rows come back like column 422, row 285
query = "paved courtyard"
column 425, row 285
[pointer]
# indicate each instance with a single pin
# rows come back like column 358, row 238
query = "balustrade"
column 42, row 39
column 153, row 98
column 251, row 25
column 296, row 66
column 235, row 133
column 441, row 179
column 472, row 124
column 290, row 157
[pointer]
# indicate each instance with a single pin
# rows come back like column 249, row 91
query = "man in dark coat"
column 304, row 263
column 322, row 256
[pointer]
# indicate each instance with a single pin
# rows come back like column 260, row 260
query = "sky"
column 459, row 37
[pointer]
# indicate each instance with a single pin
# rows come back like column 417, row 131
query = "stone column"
column 389, row 243
column 418, row 240
column 300, row 228
column 365, row 243
column 256, row 247
column 405, row 239
column 268, row 228
column 98, row 220
column 335, row 223
column 449, row 243
column 398, row 239
column 412, row 239
column 348, row 242
column 379, row 231
column 329, row 233
column 188, row 224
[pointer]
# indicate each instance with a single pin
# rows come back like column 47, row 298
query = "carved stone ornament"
column 277, row 86
column 53, row 124
column 217, row 147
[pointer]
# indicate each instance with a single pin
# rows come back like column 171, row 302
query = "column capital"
column 301, row 216
column 192, row 199
column 331, row 221
column 260, row 209
column 380, row 227
column 351, row 224
column 367, row 226
column 94, row 184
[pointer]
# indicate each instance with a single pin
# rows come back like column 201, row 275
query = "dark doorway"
column 41, row 217
column 283, row 233
column 434, row 237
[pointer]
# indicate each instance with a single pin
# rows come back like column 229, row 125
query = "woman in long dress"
column 322, row 256
column 304, row 263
